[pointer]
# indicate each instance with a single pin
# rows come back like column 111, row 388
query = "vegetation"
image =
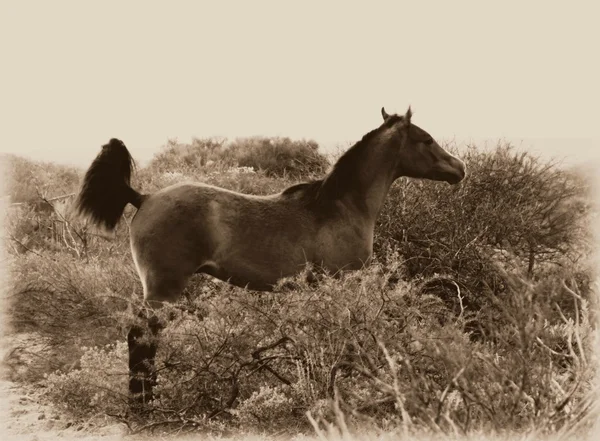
column 478, row 314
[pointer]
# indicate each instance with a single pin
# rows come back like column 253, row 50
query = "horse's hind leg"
column 143, row 347
column 142, row 352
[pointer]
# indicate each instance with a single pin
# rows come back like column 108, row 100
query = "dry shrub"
column 26, row 179
column 514, row 213
column 275, row 157
column 389, row 355
column 280, row 157
column 69, row 303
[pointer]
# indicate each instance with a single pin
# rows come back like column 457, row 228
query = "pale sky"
column 75, row 74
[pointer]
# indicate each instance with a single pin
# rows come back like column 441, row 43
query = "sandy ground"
column 23, row 418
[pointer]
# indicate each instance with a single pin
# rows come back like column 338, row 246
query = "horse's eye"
column 429, row 141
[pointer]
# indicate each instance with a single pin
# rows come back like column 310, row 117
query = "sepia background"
column 76, row 74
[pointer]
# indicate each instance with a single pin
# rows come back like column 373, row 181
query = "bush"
column 276, row 157
column 97, row 386
column 28, row 180
column 190, row 159
column 280, row 157
column 70, row 303
column 387, row 354
column 514, row 213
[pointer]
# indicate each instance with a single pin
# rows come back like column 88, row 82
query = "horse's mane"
column 319, row 194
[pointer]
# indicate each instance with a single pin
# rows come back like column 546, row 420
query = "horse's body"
column 253, row 241
column 247, row 240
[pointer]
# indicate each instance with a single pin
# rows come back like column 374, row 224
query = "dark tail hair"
column 106, row 186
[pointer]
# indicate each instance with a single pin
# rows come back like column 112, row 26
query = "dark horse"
column 252, row 241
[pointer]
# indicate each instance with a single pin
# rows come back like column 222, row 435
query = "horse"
column 248, row 240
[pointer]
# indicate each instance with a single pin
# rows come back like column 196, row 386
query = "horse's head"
column 418, row 155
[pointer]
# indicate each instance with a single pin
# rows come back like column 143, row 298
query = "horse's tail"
column 106, row 186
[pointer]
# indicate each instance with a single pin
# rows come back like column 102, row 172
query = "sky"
column 75, row 74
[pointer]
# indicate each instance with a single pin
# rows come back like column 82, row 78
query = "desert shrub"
column 280, row 156
column 511, row 201
column 58, row 230
column 275, row 157
column 70, row 303
column 266, row 407
column 99, row 382
column 514, row 212
column 189, row 159
column 26, row 180
column 387, row 353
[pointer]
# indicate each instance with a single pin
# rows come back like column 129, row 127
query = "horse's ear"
column 384, row 114
column 408, row 116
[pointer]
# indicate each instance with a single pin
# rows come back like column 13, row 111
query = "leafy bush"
column 513, row 213
column 280, row 157
column 189, row 159
column 26, row 180
column 70, row 303
column 511, row 201
column 99, row 383
column 276, row 157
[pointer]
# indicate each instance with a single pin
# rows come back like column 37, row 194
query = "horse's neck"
column 376, row 178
